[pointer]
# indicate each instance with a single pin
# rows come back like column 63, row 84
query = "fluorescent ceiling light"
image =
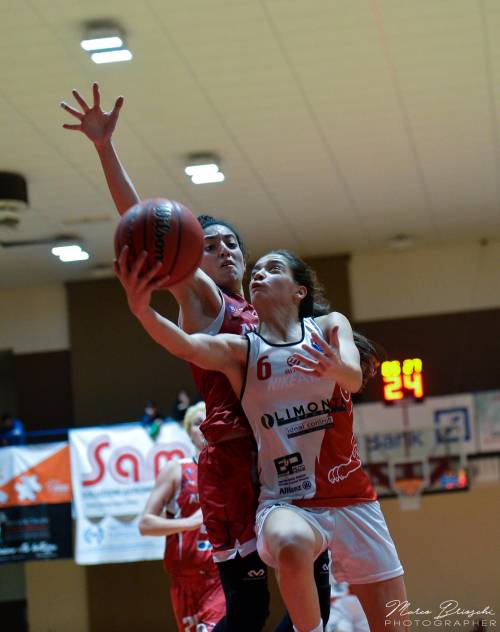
column 70, row 253
column 80, row 256
column 101, row 43
column 110, row 56
column 65, row 250
column 207, row 179
column 204, row 174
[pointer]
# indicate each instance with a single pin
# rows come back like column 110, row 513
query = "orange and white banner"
column 35, row 475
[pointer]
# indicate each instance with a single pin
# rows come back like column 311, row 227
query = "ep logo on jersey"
column 289, row 464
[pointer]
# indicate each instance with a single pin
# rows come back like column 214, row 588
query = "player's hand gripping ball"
column 168, row 232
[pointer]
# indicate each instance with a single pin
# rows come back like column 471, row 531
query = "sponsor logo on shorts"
column 256, row 573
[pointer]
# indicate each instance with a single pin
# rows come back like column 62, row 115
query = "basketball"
column 168, row 232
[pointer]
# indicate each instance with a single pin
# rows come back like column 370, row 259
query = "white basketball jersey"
column 303, row 426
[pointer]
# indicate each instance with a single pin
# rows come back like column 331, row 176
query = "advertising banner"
column 35, row 532
column 114, row 539
column 437, row 426
column 488, row 420
column 34, row 475
column 113, row 468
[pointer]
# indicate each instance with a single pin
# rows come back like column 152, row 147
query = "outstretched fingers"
column 116, row 110
column 80, row 100
column 96, row 94
column 71, row 110
column 306, row 364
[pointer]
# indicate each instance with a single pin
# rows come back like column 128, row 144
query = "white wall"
column 34, row 319
column 433, row 280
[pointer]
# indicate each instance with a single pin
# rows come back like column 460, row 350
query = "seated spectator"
column 11, row 430
column 152, row 418
column 181, row 404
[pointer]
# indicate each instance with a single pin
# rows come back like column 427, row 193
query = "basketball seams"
column 178, row 224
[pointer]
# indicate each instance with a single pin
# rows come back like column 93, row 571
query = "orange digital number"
column 413, row 383
column 402, row 378
column 392, row 388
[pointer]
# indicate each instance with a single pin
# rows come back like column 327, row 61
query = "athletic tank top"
column 303, row 426
column 224, row 413
column 189, row 552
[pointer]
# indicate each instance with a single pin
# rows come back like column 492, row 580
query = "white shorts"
column 362, row 549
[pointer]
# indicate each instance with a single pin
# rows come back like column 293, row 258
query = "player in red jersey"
column 173, row 510
column 212, row 297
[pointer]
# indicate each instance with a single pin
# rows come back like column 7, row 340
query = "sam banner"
column 35, row 532
column 114, row 539
column 113, row 468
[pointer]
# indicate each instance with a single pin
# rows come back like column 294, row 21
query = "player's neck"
column 236, row 288
column 281, row 325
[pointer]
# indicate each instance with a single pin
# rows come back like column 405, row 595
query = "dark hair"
column 207, row 220
column 314, row 303
column 369, row 352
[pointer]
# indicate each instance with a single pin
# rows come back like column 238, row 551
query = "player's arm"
column 198, row 296
column 338, row 360
column 224, row 352
column 152, row 521
column 98, row 126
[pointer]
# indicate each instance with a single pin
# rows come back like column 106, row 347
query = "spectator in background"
column 181, row 404
column 152, row 418
column 11, row 430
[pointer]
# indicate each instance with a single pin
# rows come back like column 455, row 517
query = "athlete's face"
column 223, row 260
column 272, row 280
column 195, row 432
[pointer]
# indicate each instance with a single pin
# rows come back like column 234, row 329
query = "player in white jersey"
column 295, row 377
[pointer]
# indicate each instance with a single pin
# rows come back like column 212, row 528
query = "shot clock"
column 402, row 380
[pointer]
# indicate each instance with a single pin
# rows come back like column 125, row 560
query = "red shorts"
column 227, row 485
column 198, row 602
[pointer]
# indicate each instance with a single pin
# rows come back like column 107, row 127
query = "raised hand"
column 97, row 125
column 322, row 360
column 138, row 287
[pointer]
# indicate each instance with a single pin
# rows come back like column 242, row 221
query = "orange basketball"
column 167, row 231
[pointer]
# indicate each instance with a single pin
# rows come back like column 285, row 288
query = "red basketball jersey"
column 189, row 552
column 224, row 412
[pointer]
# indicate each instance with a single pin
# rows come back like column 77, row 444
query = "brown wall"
column 116, row 366
column 460, row 351
column 449, row 548
column 130, row 597
column 43, row 389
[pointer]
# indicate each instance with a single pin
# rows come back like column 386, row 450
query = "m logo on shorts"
column 289, row 464
column 259, row 573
